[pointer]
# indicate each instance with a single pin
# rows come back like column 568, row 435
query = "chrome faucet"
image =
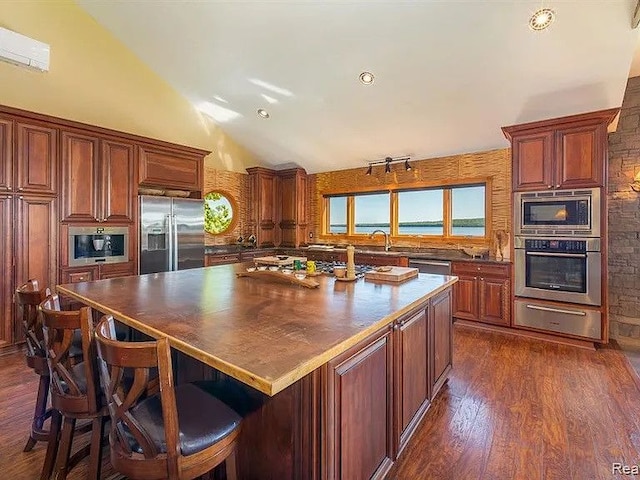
column 387, row 242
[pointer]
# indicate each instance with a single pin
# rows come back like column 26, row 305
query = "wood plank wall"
column 493, row 164
column 237, row 185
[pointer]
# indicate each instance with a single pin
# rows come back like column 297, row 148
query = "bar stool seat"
column 179, row 433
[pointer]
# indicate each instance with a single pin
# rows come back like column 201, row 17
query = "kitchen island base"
column 350, row 418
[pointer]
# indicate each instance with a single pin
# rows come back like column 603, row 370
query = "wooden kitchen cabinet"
column 6, row 156
column 212, row 259
column 358, row 414
column 482, row 292
column 561, row 153
column 36, row 158
column 89, row 273
column 161, row 167
column 263, row 205
column 413, row 388
column 97, row 179
column 382, row 259
column 441, row 335
column 6, row 260
column 35, row 244
column 293, row 207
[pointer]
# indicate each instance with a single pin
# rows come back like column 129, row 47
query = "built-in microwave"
column 558, row 212
column 95, row 245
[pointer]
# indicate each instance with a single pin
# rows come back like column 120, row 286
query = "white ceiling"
column 449, row 74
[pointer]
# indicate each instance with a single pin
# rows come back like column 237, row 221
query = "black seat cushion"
column 79, row 377
column 202, row 420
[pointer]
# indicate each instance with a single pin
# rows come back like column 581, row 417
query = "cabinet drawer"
column 115, row 270
column 79, row 275
column 484, row 269
column 367, row 259
column 246, row 256
column 210, row 260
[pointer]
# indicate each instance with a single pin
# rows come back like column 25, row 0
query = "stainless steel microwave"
column 95, row 245
column 558, row 213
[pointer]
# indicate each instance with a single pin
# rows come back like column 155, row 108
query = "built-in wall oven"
column 558, row 269
column 568, row 213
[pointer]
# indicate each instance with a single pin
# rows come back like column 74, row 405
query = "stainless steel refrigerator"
column 171, row 234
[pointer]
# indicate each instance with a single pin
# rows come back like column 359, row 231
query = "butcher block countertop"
column 267, row 335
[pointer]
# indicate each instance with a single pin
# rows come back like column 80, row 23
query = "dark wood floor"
column 514, row 408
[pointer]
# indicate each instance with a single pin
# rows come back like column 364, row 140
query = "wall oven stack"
column 558, row 262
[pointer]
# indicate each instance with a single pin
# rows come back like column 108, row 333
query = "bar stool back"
column 75, row 393
column 179, row 433
column 28, row 296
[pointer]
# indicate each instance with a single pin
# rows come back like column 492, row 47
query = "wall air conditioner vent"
column 23, row 51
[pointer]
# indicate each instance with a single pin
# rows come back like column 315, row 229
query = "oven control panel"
column 553, row 245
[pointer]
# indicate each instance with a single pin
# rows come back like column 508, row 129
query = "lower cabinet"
column 359, row 410
column 96, row 272
column 377, row 392
column 221, row 259
column 482, row 292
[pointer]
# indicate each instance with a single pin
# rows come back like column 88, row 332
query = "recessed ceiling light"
column 262, row 113
column 542, row 19
column 367, row 78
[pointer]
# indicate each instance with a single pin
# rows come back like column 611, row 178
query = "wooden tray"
column 396, row 274
column 280, row 277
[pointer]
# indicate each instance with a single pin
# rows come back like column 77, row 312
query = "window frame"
column 393, row 191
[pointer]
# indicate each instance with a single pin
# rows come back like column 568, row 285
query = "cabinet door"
column 168, row 169
column 221, row 259
column 532, row 161
column 117, row 182
column 580, row 157
column 36, row 158
column 36, row 243
column 6, row 158
column 79, row 178
column 6, row 260
column 116, row 270
column 465, row 297
column 442, row 339
column 494, row 300
column 412, row 378
column 359, row 411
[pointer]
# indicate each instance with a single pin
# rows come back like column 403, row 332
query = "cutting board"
column 396, row 274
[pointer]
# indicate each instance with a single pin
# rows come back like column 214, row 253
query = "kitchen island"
column 331, row 381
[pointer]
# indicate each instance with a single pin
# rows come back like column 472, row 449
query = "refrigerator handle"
column 175, row 242
column 170, row 241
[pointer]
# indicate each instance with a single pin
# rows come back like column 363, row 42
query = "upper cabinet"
column 6, row 144
column 263, row 212
column 293, row 207
column 172, row 169
column 97, row 178
column 567, row 152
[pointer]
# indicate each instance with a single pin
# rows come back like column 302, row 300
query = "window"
column 441, row 212
column 421, row 212
column 337, row 215
column 372, row 213
column 467, row 211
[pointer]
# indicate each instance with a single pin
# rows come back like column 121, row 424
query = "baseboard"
column 585, row 344
column 10, row 349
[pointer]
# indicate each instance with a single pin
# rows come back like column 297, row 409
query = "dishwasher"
column 440, row 267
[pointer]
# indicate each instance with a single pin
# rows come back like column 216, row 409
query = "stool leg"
column 95, row 454
column 40, row 412
column 62, row 458
column 52, row 445
column 230, row 466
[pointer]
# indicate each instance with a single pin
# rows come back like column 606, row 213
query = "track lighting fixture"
column 388, row 161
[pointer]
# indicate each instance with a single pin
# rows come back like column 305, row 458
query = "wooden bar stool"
column 28, row 297
column 179, row 433
column 75, row 392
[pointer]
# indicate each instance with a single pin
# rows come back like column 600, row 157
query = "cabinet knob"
column 557, row 186
column 20, row 188
column 20, row 197
column 481, row 278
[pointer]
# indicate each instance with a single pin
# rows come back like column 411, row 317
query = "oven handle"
column 556, row 310
column 546, row 254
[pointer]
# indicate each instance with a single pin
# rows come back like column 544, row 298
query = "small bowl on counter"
column 262, row 268
column 251, row 269
column 273, row 268
column 286, row 271
column 300, row 276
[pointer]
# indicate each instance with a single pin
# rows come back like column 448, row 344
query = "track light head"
column 369, row 169
column 407, row 167
column 387, row 167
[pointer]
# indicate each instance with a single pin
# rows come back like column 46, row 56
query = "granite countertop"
column 411, row 253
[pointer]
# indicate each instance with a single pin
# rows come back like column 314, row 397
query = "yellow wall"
column 95, row 79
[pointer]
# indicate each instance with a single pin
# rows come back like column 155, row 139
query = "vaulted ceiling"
column 448, row 74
